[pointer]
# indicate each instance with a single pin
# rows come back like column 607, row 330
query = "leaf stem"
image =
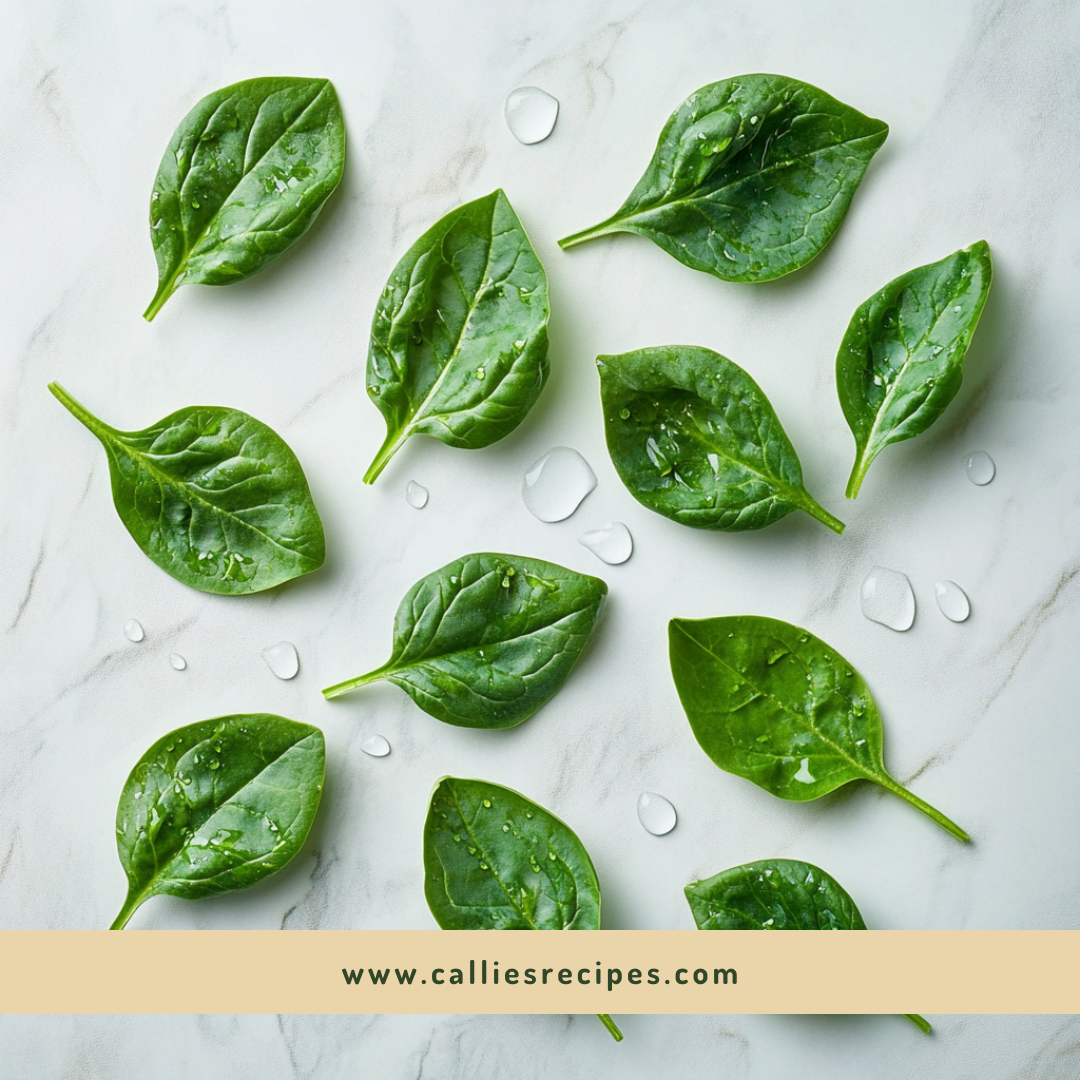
column 890, row 784
column 610, row 1024
column 858, row 471
column 352, row 684
column 132, row 902
column 919, row 1021
column 815, row 510
column 80, row 412
column 388, row 449
column 605, row 228
column 165, row 289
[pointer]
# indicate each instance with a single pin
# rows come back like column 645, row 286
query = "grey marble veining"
column 980, row 717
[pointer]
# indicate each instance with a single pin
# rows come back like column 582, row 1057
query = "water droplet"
column 612, row 544
column 804, row 776
column 956, row 308
column 952, row 601
column 133, row 630
column 624, row 414
column 282, row 659
column 480, row 373
column 887, row 598
column 177, row 661
column 555, row 485
column 375, row 746
column 979, row 466
column 416, row 495
column 656, row 814
column 530, row 114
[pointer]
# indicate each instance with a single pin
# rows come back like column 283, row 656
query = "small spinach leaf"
column 901, row 360
column 694, row 438
column 494, row 860
column 213, row 496
column 488, row 639
column 217, row 806
column 459, row 341
column 770, row 702
column 750, row 179
column 244, row 177
column 776, row 894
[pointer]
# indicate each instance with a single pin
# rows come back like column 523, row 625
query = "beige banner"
column 474, row 971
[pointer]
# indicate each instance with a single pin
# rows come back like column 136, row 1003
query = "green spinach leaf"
column 213, row 496
column 488, row 639
column 494, row 860
column 776, row 894
column 750, row 179
column 770, row 702
column 694, row 438
column 217, row 806
column 901, row 360
column 459, row 340
column 244, row 177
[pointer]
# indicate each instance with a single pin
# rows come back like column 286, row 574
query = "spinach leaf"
column 494, row 860
column 213, row 496
column 217, row 806
column 901, row 360
column 694, row 438
column 244, row 177
column 770, row 702
column 776, row 894
column 459, row 341
column 488, row 639
column 750, row 179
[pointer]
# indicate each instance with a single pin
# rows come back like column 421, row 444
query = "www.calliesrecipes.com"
column 483, row 973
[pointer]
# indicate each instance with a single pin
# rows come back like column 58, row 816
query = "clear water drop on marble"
column 612, row 544
column 952, row 601
column 530, row 114
column 416, row 495
column 555, row 484
column 133, row 630
column 177, row 661
column 375, row 746
column 980, row 467
column 656, row 814
column 887, row 598
column 282, row 659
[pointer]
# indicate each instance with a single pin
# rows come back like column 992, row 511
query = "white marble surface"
column 982, row 99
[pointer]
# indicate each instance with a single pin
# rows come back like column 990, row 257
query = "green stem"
column 815, row 510
column 858, row 471
column 80, row 412
column 919, row 1021
column 388, row 449
column 352, row 684
column 165, row 289
column 890, row 784
column 133, row 900
column 605, row 228
column 610, row 1024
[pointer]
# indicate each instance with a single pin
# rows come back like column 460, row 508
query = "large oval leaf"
column 772, row 894
column 459, row 340
column 694, row 438
column 494, row 860
column 770, row 702
column 750, row 179
column 217, row 806
column 488, row 639
column 244, row 177
column 901, row 360
column 213, row 496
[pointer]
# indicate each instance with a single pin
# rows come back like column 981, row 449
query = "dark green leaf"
column 217, row 806
column 694, row 438
column 213, row 496
column 245, row 176
column 459, row 340
column 772, row 703
column 901, row 360
column 488, row 639
column 750, row 179
column 776, row 894
column 772, row 894
column 493, row 860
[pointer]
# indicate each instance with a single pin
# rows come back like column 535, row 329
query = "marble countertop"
column 980, row 717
